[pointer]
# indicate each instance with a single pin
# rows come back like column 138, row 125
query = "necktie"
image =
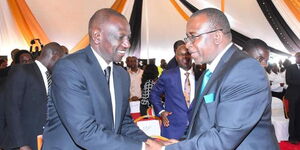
column 298, row 66
column 207, row 76
column 187, row 89
column 107, row 74
column 49, row 80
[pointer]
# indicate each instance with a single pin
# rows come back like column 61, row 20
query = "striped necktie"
column 49, row 80
column 207, row 76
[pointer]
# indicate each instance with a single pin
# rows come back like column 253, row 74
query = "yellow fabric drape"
column 118, row 6
column 180, row 11
column 222, row 5
column 28, row 25
column 294, row 6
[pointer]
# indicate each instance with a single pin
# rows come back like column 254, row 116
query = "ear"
column 218, row 37
column 97, row 36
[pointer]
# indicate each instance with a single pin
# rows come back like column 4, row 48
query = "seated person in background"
column 178, row 86
column 135, row 74
column 148, row 80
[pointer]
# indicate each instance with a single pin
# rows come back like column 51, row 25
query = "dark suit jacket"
column 293, row 81
column 80, row 111
column 172, row 63
column 239, row 114
column 26, row 105
column 2, row 112
column 169, row 84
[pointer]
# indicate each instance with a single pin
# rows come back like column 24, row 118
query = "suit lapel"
column 118, row 97
column 218, row 73
column 99, row 79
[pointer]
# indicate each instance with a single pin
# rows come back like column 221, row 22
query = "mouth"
column 121, row 52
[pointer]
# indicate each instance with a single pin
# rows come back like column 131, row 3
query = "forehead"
column 197, row 23
column 181, row 49
column 118, row 24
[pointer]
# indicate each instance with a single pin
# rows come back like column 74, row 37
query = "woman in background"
column 149, row 78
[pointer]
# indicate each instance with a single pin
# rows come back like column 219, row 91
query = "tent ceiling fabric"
column 66, row 21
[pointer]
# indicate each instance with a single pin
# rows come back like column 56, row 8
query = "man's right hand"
column 25, row 148
column 164, row 116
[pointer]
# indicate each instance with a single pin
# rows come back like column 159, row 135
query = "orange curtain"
column 222, row 5
column 294, row 6
column 28, row 25
column 118, row 6
column 180, row 11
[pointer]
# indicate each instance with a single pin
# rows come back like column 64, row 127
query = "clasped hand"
column 157, row 145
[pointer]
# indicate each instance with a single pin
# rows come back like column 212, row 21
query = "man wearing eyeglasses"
column 232, row 109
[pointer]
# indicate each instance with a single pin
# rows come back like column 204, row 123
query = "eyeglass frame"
column 193, row 37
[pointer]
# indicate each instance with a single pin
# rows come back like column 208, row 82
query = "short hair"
column 51, row 49
column 253, row 44
column 177, row 44
column 19, row 53
column 297, row 54
column 216, row 19
column 102, row 16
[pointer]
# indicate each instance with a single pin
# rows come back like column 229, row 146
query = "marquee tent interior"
column 159, row 23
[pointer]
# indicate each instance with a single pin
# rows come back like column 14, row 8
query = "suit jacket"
column 80, row 110
column 26, row 106
column 172, row 63
column 169, row 84
column 234, row 110
column 293, row 81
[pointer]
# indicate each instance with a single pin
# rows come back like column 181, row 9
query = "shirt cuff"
column 143, row 146
column 163, row 148
column 161, row 112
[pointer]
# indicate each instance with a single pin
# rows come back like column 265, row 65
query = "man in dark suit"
column 178, row 86
column 233, row 101
column 293, row 96
column 89, row 106
column 26, row 99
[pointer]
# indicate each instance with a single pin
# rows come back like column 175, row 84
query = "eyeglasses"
column 193, row 37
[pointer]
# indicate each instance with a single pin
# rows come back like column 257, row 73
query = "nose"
column 126, row 44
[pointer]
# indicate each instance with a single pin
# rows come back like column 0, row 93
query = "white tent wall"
column 162, row 25
column 66, row 22
column 10, row 36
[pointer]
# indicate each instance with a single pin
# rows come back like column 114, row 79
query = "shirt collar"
column 41, row 66
column 212, row 66
column 101, row 61
column 190, row 71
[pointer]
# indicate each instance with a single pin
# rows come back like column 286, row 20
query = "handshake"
column 152, row 144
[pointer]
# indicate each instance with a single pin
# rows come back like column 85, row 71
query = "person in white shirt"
column 135, row 74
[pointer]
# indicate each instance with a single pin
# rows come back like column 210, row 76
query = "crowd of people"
column 211, row 94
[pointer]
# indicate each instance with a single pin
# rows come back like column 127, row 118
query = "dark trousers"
column 294, row 116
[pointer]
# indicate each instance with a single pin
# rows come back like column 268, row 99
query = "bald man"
column 89, row 106
column 26, row 99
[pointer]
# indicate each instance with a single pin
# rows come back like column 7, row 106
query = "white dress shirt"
column 43, row 70
column 212, row 66
column 104, row 65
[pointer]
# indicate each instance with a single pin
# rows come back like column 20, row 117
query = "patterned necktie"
column 107, row 74
column 207, row 76
column 49, row 80
column 187, row 89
